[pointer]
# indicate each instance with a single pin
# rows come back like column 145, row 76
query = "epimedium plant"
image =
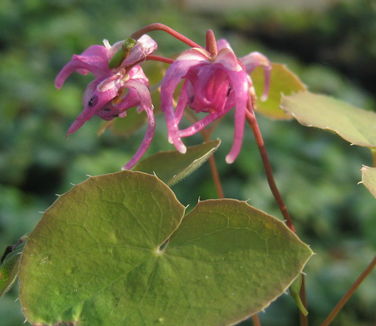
column 120, row 249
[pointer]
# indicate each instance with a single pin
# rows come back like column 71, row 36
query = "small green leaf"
column 117, row 250
column 353, row 124
column 295, row 293
column 283, row 81
column 9, row 266
column 369, row 179
column 122, row 53
column 172, row 166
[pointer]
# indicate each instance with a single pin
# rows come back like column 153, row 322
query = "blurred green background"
column 329, row 44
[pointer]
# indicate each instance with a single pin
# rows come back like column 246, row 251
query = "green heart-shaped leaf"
column 283, row 81
column 172, row 166
column 117, row 250
column 353, row 124
column 369, row 179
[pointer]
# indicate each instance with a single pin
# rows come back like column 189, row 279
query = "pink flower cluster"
column 214, row 80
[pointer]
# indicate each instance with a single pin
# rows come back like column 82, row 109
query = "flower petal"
column 240, row 86
column 222, row 44
column 146, row 105
column 228, row 59
column 127, row 99
column 94, row 100
column 194, row 54
column 174, row 74
column 182, row 102
column 253, row 60
column 145, row 45
column 256, row 59
column 209, row 87
column 201, row 124
column 94, row 59
column 136, row 72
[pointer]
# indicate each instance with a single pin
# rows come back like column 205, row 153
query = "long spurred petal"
column 94, row 59
column 94, row 101
column 256, row 59
column 201, row 124
column 146, row 105
column 239, row 84
column 182, row 102
column 170, row 81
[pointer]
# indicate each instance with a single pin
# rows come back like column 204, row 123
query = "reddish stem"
column 212, row 164
column 251, row 118
column 164, row 28
column 256, row 320
column 215, row 177
column 211, row 43
column 349, row 293
column 159, row 58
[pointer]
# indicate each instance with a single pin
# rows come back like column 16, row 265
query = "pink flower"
column 117, row 86
column 212, row 84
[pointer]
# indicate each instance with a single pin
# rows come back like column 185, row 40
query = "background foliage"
column 331, row 49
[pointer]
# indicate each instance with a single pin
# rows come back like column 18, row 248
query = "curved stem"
column 151, row 58
column 215, row 175
column 251, row 118
column 211, row 43
column 213, row 166
column 168, row 30
column 349, row 293
column 159, row 58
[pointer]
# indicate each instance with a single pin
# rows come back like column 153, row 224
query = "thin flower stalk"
column 251, row 118
column 349, row 293
column 166, row 29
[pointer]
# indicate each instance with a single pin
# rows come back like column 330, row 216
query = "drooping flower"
column 119, row 84
column 214, row 84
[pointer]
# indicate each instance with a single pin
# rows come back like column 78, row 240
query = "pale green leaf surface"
column 369, row 179
column 355, row 125
column 172, row 166
column 283, row 81
column 97, row 258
